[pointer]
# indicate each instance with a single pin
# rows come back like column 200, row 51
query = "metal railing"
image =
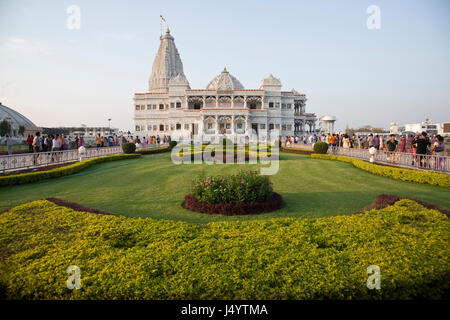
column 399, row 159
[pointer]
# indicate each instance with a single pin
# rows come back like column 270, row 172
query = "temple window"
column 178, row 126
column 178, row 104
column 161, row 107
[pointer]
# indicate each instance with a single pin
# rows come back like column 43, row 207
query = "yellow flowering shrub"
column 283, row 258
column 433, row 178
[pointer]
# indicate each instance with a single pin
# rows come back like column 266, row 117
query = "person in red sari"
column 403, row 144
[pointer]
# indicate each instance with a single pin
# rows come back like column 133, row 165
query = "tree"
column 5, row 128
column 21, row 130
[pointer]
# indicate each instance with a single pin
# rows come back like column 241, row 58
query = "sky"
column 57, row 76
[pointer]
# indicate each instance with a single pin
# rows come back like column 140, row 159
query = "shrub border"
column 433, row 178
column 231, row 209
column 153, row 150
column 385, row 200
column 297, row 151
column 62, row 171
column 77, row 207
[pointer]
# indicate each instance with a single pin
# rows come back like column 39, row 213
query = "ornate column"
column 232, row 125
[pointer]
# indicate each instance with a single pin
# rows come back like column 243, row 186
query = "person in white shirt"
column 56, row 143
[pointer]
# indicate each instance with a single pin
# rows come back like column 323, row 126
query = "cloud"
column 25, row 47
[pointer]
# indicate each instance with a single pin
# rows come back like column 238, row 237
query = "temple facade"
column 223, row 109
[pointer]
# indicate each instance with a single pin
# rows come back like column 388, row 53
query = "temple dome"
column 225, row 82
column 328, row 118
column 270, row 81
column 14, row 118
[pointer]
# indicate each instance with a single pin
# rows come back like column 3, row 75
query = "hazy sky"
column 61, row 77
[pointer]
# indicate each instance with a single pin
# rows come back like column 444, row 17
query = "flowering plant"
column 245, row 186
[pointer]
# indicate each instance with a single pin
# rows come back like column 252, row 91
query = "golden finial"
column 225, row 69
column 167, row 30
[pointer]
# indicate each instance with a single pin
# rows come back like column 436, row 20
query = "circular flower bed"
column 244, row 193
column 230, row 209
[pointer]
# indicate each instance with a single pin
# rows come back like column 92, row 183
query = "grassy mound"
column 285, row 258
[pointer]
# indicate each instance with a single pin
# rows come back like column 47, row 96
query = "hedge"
column 433, row 178
column 128, row 147
column 61, row 171
column 283, row 258
column 297, row 150
column 153, row 150
column 320, row 147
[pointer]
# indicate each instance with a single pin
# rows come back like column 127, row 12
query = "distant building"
column 17, row 120
column 326, row 124
column 82, row 131
column 428, row 126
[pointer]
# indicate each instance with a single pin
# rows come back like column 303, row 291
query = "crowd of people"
column 420, row 145
column 151, row 140
column 60, row 142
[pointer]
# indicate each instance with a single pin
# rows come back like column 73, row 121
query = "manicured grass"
column 153, row 186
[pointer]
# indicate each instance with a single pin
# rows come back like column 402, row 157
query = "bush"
column 172, row 144
column 153, row 150
column 385, row 200
column 320, row 147
column 282, row 258
column 128, row 147
column 231, row 209
column 433, row 178
column 59, row 172
column 246, row 186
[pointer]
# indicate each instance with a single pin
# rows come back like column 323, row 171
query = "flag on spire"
column 162, row 18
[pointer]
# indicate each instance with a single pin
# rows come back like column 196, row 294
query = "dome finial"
column 224, row 69
column 168, row 30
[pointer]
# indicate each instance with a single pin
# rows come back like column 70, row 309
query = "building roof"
column 225, row 81
column 270, row 81
column 16, row 119
column 167, row 65
column 328, row 118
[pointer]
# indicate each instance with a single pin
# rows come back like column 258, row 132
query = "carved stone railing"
column 24, row 161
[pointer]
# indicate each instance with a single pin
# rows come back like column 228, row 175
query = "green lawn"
column 153, row 186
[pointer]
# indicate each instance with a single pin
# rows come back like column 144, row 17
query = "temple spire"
column 166, row 66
